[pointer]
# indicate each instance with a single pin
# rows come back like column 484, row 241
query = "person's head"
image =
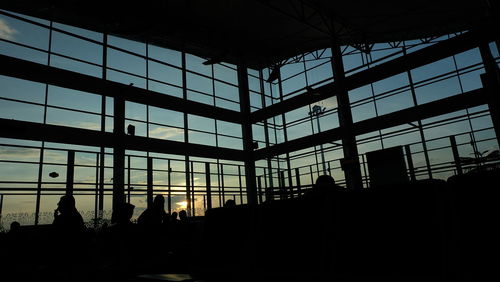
column 122, row 213
column 66, row 204
column 230, row 203
column 324, row 182
column 174, row 215
column 183, row 215
column 14, row 226
column 159, row 202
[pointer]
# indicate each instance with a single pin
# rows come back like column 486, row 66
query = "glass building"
column 249, row 101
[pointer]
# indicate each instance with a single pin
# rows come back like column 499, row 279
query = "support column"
column 208, row 184
column 409, row 160
column 186, row 134
column 70, row 173
column 150, row 182
column 491, row 82
column 351, row 169
column 169, row 193
column 297, row 178
column 266, row 136
column 259, row 187
column 118, row 152
column 285, row 134
column 419, row 122
column 246, row 130
column 1, row 207
column 456, row 155
column 100, row 198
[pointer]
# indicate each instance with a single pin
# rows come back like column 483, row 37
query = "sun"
column 182, row 205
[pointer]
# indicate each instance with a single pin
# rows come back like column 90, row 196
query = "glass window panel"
column 229, row 142
column 21, row 89
column 165, row 73
column 202, row 138
column 165, row 55
column 73, row 119
column 75, row 66
column 23, row 53
column 165, row 89
column 437, row 91
column 228, row 128
column 167, row 133
column 394, row 103
column 25, row 33
column 225, row 73
column 74, row 99
column 76, row 48
column 20, row 111
column 168, row 117
column 201, row 123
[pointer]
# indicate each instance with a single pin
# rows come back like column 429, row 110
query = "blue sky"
column 167, row 79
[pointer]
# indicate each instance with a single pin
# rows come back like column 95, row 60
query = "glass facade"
column 30, row 191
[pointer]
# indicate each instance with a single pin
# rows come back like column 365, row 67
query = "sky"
column 14, row 93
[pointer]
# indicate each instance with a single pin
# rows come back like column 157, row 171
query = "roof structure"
column 265, row 32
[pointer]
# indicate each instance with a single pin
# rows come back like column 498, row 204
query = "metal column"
column 247, row 135
column 1, row 207
column 259, row 187
column 491, row 82
column 169, row 193
column 208, row 185
column 186, row 133
column 419, row 122
column 352, row 170
column 456, row 155
column 150, row 182
column 297, row 178
column 70, row 173
column 409, row 160
column 118, row 152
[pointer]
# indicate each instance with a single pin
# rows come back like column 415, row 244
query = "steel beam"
column 77, row 136
column 63, row 78
column 447, row 105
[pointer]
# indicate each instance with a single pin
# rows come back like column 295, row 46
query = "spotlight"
column 53, row 174
column 131, row 130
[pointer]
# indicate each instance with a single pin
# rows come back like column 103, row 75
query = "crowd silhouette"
column 67, row 250
column 406, row 223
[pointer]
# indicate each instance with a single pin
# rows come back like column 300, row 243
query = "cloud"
column 165, row 132
column 7, row 32
column 13, row 153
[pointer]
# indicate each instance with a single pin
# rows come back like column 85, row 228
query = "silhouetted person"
column 122, row 214
column 173, row 217
column 183, row 216
column 66, row 216
column 230, row 203
column 116, row 242
column 154, row 215
column 324, row 182
column 14, row 227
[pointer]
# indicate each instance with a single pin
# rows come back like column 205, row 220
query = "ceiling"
column 260, row 33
